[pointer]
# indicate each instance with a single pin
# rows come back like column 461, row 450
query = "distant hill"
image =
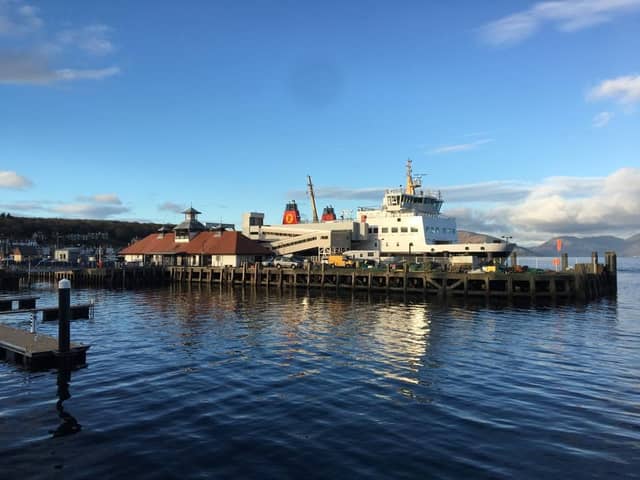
column 582, row 247
column 68, row 232
column 574, row 246
column 473, row 237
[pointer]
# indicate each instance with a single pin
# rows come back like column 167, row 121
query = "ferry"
column 410, row 222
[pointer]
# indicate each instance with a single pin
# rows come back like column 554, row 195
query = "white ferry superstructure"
column 408, row 223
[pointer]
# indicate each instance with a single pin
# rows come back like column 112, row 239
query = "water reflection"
column 68, row 423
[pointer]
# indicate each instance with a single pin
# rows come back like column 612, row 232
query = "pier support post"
column 564, row 262
column 514, row 259
column 611, row 261
column 64, row 315
column 594, row 262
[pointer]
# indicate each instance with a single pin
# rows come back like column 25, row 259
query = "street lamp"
column 507, row 238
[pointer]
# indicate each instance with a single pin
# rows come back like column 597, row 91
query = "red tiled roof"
column 207, row 243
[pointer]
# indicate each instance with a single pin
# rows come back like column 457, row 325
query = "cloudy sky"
column 524, row 115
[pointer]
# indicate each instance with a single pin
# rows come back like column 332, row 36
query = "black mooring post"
column 64, row 315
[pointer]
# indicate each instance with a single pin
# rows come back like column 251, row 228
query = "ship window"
column 324, row 237
column 414, row 229
column 399, row 219
column 404, row 229
column 370, row 230
column 466, row 248
column 437, row 229
column 375, row 229
column 385, row 230
column 394, row 229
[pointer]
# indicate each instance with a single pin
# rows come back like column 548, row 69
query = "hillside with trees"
column 67, row 232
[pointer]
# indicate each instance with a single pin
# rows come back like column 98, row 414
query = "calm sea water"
column 199, row 382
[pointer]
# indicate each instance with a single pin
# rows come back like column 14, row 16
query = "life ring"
column 288, row 218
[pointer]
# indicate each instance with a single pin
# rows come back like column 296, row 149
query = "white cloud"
column 93, row 39
column 87, row 207
column 564, row 206
column 12, row 180
column 565, row 15
column 602, row 119
column 71, row 74
column 461, row 147
column 171, row 207
column 625, row 90
column 108, row 198
column 31, row 54
column 88, row 210
column 18, row 18
column 494, row 191
column 34, row 69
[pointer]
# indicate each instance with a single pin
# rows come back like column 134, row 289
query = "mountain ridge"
column 574, row 246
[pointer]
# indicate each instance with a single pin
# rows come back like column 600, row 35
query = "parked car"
column 267, row 262
column 286, row 261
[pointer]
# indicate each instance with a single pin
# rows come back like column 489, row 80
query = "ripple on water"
column 186, row 382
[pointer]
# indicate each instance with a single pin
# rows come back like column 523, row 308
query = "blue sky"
column 523, row 114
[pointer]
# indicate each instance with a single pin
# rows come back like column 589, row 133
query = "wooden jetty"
column 23, row 302
column 582, row 282
column 81, row 310
column 27, row 304
column 36, row 351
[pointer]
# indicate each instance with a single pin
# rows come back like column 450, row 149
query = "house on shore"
column 192, row 244
column 25, row 253
column 70, row 255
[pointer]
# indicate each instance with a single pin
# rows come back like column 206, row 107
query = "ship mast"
column 313, row 200
column 411, row 188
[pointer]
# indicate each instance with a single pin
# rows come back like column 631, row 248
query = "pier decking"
column 578, row 284
column 582, row 282
column 36, row 351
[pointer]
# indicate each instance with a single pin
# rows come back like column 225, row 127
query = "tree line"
column 64, row 232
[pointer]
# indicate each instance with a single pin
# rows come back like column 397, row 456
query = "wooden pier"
column 36, row 351
column 33, row 350
column 582, row 282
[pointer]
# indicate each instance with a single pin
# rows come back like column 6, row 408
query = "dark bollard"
column 64, row 315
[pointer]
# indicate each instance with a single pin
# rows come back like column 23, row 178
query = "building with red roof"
column 191, row 244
